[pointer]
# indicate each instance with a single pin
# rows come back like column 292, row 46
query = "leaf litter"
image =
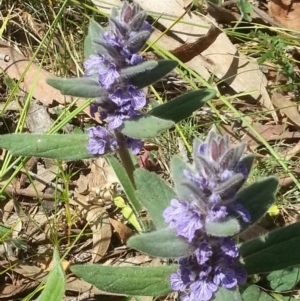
column 31, row 210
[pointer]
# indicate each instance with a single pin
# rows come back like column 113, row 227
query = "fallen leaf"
column 99, row 223
column 286, row 12
column 287, row 107
column 122, row 230
column 34, row 79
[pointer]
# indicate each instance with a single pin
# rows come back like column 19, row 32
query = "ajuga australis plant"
column 194, row 225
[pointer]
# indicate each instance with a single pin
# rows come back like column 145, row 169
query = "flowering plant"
column 196, row 223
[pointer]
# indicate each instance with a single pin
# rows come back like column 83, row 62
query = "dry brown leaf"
column 11, row 290
column 222, row 58
column 293, row 153
column 99, row 223
column 82, row 184
column 286, row 12
column 16, row 66
column 269, row 132
column 122, row 230
column 286, row 107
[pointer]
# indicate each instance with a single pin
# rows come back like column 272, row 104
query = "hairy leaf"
column 61, row 147
column 276, row 250
column 154, row 194
column 145, row 126
column 155, row 74
column 226, row 228
column 137, row 69
column 161, row 243
column 183, row 106
column 133, row 281
column 125, row 182
column 257, row 198
column 87, row 87
column 184, row 192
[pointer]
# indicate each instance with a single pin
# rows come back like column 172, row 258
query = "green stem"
column 125, row 156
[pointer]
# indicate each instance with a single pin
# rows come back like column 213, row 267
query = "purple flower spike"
column 101, row 141
column 211, row 185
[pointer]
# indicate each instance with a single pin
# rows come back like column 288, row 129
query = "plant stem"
column 125, row 156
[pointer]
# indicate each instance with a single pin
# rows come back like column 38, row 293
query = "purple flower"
column 138, row 97
column 93, row 64
column 203, row 253
column 101, row 141
column 203, row 290
column 134, row 144
column 108, row 75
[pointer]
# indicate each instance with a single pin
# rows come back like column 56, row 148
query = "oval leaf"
column 224, row 294
column 284, row 280
column 155, row 74
column 61, row 147
column 87, row 87
column 133, row 281
column 184, row 192
column 145, row 126
column 276, row 250
column 55, row 285
column 253, row 292
column 183, row 106
column 132, row 71
column 161, row 243
column 154, row 194
column 258, row 203
column 221, row 229
column 125, row 182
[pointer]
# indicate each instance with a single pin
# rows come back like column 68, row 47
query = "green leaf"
column 131, row 71
column 145, row 126
column 87, row 87
column 254, row 293
column 177, row 167
column 133, row 281
column 88, row 47
column 257, row 198
column 246, row 9
column 161, row 243
column 61, row 147
column 55, row 284
column 224, row 294
column 125, row 182
column 276, row 250
column 221, row 229
column 284, row 280
column 128, row 213
column 154, row 194
column 95, row 31
column 155, row 74
column 183, row 106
